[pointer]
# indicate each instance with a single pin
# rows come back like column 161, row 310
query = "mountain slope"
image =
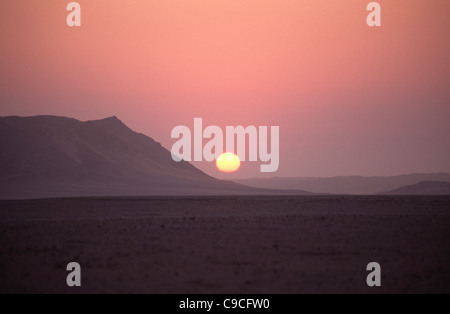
column 423, row 188
column 48, row 156
column 356, row 185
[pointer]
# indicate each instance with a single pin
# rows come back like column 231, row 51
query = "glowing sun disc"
column 228, row 162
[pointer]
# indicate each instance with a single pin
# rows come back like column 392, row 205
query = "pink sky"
column 349, row 99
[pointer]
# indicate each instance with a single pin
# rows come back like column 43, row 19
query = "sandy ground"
column 226, row 244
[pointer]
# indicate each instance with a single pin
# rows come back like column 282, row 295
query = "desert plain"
column 231, row 245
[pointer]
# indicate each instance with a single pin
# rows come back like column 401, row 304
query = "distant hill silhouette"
column 423, row 188
column 355, row 185
column 48, row 156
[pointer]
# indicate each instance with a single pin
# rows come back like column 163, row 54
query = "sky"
column 349, row 99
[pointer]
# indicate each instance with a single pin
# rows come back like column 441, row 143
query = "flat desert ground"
column 307, row 244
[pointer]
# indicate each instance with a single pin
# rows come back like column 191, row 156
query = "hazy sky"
column 349, row 99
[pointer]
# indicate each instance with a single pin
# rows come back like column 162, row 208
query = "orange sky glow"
column 349, row 99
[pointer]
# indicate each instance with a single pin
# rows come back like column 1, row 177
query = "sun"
column 228, row 162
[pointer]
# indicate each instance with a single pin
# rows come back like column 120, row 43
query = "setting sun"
column 228, row 162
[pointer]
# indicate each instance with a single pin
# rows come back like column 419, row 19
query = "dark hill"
column 423, row 188
column 48, row 156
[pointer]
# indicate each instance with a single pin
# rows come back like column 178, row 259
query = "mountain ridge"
column 51, row 156
column 348, row 185
column 422, row 188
